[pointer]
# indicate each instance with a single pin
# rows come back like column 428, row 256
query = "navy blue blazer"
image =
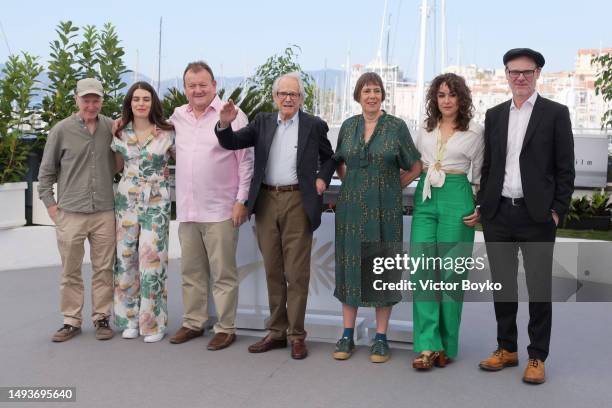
column 314, row 156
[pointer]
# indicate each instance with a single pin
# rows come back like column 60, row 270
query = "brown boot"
column 185, row 334
column 221, row 341
column 534, row 373
column 499, row 359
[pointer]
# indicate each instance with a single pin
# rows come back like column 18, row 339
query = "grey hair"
column 295, row 75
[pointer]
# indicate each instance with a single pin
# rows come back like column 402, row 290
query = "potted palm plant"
column 17, row 85
column 13, row 155
column 590, row 213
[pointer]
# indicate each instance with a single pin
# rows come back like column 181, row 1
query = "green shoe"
column 344, row 348
column 379, row 352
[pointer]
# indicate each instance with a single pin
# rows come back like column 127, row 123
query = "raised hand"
column 228, row 113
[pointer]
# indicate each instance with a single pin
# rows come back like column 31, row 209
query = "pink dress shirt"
column 209, row 179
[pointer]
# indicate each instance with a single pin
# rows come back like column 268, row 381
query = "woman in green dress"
column 372, row 149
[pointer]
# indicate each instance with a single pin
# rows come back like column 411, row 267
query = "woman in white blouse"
column 451, row 147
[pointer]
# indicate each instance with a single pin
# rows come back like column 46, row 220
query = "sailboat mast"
column 347, row 83
column 6, row 42
column 380, row 40
column 421, row 67
column 324, row 99
column 443, row 35
column 136, row 71
column 159, row 56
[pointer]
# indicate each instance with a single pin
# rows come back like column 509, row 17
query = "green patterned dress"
column 369, row 206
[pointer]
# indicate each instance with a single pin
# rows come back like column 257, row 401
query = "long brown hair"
column 156, row 114
column 457, row 85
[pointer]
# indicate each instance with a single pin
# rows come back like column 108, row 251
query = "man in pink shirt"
column 212, row 186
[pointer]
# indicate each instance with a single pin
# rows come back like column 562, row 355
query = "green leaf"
column 603, row 85
column 276, row 66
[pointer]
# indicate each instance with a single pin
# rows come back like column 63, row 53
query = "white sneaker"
column 152, row 338
column 130, row 333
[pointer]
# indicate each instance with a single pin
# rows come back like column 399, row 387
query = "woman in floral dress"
column 143, row 144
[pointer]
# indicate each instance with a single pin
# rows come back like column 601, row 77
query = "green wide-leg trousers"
column 440, row 237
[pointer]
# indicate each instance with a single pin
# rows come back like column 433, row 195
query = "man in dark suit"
column 525, row 188
column 293, row 167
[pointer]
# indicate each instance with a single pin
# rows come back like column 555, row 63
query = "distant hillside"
column 328, row 78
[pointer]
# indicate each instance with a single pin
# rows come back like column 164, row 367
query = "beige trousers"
column 208, row 254
column 72, row 229
column 285, row 241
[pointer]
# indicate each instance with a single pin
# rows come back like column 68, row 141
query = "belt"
column 282, row 189
column 515, row 202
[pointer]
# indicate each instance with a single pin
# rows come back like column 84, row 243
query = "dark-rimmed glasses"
column 290, row 95
column 514, row 74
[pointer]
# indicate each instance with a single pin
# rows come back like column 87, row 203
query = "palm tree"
column 247, row 99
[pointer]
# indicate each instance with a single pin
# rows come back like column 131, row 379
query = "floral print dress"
column 142, row 212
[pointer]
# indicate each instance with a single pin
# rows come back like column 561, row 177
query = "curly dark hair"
column 457, row 85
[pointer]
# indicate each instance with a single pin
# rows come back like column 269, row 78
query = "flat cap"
column 524, row 52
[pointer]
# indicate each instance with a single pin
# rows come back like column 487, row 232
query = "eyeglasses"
column 515, row 74
column 290, row 95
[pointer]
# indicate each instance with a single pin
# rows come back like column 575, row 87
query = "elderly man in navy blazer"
column 525, row 188
column 293, row 167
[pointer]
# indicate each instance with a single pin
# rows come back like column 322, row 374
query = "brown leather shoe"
column 221, row 341
column 499, row 359
column 534, row 373
column 185, row 334
column 267, row 344
column 103, row 330
column 65, row 333
column 298, row 349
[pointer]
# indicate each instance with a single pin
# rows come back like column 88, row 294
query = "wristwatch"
column 243, row 202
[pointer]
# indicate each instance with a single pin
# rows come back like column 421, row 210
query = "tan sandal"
column 443, row 360
column 425, row 361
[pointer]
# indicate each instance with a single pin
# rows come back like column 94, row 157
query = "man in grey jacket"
column 78, row 158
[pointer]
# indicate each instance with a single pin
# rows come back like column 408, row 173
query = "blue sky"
column 236, row 36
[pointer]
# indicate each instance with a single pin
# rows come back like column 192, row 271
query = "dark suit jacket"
column 314, row 154
column 546, row 160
